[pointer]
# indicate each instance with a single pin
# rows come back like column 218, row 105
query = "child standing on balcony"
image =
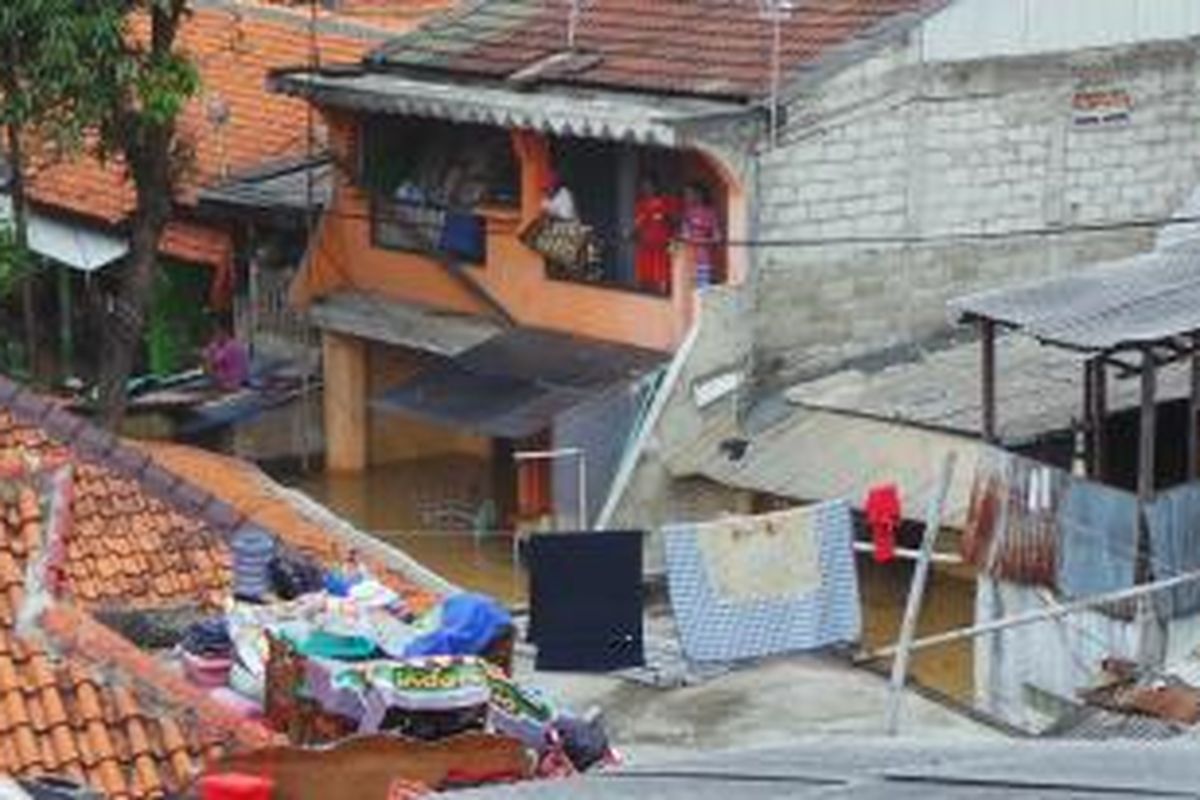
column 700, row 231
column 654, row 219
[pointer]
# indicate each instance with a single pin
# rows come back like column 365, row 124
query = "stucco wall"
column 901, row 184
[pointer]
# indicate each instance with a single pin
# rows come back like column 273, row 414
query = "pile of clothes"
column 325, row 655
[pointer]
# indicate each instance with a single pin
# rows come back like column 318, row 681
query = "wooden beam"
column 987, row 339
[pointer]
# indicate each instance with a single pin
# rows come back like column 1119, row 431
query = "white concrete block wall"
column 941, row 153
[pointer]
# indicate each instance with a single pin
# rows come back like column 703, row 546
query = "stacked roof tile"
column 59, row 716
column 710, row 48
column 137, row 536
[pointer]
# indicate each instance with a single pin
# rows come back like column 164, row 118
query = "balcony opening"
column 640, row 208
column 428, row 180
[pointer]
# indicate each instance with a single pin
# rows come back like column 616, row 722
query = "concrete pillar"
column 346, row 420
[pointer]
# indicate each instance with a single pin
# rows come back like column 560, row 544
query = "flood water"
column 426, row 508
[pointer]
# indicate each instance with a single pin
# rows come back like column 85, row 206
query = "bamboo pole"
column 1028, row 617
column 916, row 594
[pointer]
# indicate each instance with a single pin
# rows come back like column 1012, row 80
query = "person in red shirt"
column 654, row 219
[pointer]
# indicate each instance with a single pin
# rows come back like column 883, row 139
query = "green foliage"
column 15, row 262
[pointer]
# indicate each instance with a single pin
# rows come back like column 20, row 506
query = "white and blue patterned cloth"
column 717, row 628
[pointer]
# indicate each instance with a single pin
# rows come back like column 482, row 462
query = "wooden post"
column 346, row 418
column 1089, row 417
column 916, row 594
column 1193, row 428
column 1147, row 431
column 1100, row 399
column 1149, row 641
column 987, row 339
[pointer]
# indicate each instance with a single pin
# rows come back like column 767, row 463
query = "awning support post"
column 1193, row 426
column 987, row 339
column 1095, row 413
column 1150, row 642
column 1100, row 399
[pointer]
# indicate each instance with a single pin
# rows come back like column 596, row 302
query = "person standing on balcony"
column 700, row 230
column 654, row 218
column 557, row 200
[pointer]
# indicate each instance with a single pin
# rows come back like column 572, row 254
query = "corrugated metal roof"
column 821, row 455
column 559, row 359
column 591, row 114
column 1039, row 389
column 514, row 384
column 489, row 405
column 382, row 319
column 282, row 187
column 1126, row 304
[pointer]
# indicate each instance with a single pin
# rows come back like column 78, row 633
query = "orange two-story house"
column 445, row 327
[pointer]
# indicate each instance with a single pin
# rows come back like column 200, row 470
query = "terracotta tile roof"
column 234, row 46
column 138, row 535
column 694, row 47
column 139, row 737
column 250, row 492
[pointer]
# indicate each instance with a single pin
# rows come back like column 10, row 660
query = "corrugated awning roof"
column 1144, row 300
column 592, row 114
column 515, row 384
column 381, row 319
column 1041, row 391
column 279, row 187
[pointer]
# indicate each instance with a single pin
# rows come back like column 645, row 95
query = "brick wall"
column 965, row 159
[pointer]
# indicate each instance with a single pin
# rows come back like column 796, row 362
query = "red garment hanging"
column 883, row 518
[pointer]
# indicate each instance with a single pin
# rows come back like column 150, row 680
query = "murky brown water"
column 949, row 604
column 425, row 508
column 428, row 509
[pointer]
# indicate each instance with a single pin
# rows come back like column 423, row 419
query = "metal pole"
column 776, row 57
column 987, row 339
column 583, row 506
column 916, row 594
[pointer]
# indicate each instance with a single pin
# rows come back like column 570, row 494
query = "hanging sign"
column 1094, row 108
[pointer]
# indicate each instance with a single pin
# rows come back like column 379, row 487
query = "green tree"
column 138, row 84
column 40, row 46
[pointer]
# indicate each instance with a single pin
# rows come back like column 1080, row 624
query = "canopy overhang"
column 651, row 120
column 71, row 244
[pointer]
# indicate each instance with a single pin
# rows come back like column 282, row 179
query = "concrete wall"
column 969, row 162
column 655, row 496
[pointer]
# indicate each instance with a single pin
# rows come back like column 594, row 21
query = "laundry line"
column 909, row 554
column 1028, row 617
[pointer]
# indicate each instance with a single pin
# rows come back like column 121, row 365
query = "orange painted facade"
column 345, row 257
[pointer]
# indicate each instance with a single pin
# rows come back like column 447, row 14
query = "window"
column 427, row 179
